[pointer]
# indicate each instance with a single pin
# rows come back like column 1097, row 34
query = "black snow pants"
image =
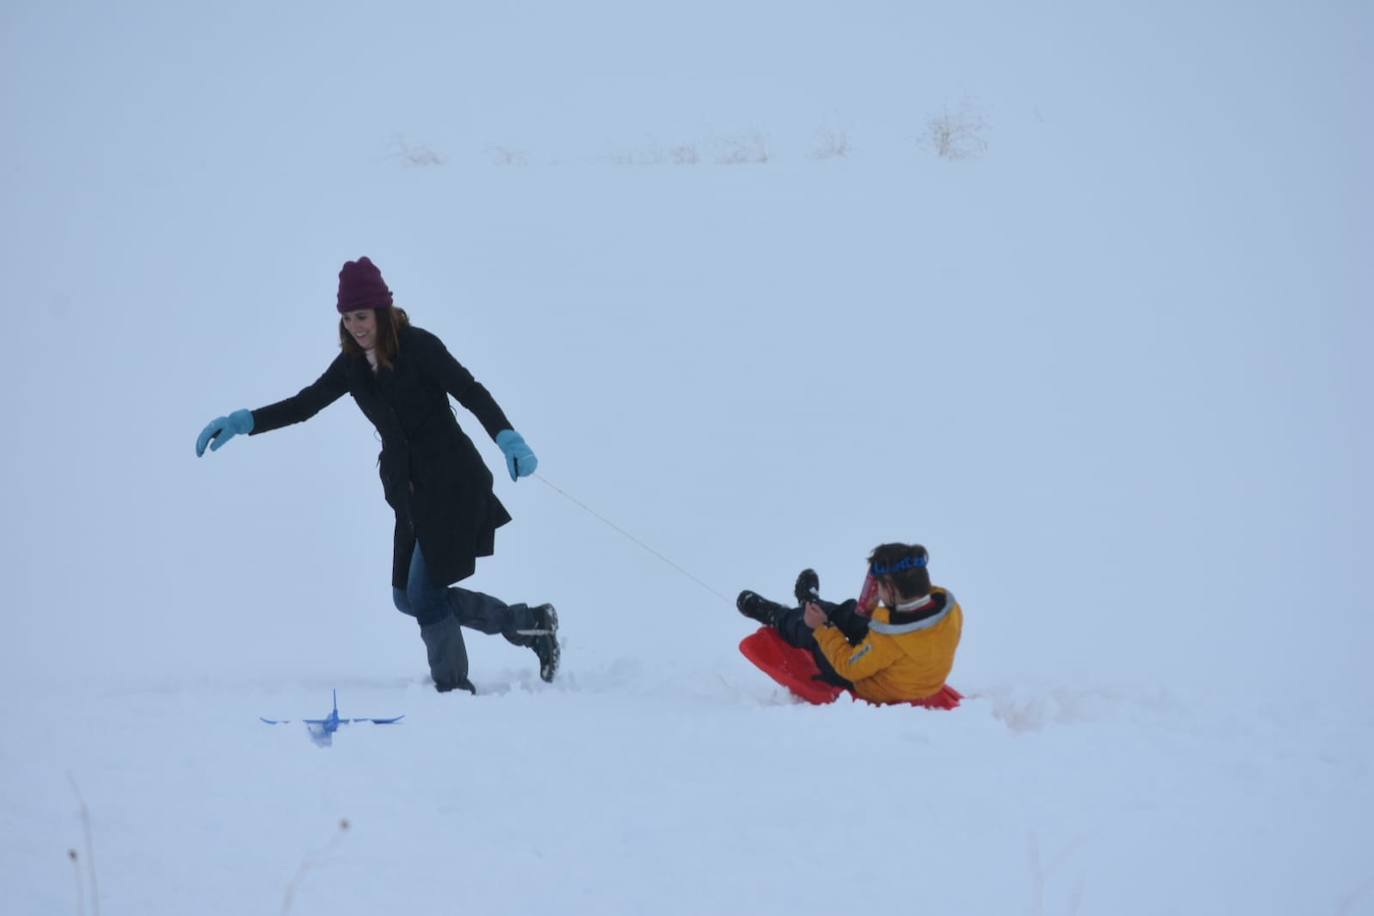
column 795, row 632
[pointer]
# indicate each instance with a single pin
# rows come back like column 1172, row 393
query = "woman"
column 433, row 477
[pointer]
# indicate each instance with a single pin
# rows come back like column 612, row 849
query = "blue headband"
column 901, row 565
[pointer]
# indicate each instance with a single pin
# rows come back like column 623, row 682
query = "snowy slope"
column 1110, row 369
column 625, row 789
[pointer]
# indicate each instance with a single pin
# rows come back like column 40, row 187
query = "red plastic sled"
column 796, row 670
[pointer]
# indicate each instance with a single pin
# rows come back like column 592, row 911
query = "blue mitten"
column 520, row 460
column 221, row 429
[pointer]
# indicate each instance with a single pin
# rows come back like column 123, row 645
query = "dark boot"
column 756, row 607
column 808, row 587
column 448, row 656
column 543, row 639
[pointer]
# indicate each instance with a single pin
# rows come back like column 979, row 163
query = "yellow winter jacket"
column 906, row 655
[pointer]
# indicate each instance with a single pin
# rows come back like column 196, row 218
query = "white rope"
column 612, row 525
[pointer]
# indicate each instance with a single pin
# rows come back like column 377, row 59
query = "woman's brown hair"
column 390, row 321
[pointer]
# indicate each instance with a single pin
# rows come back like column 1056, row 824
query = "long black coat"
column 432, row 475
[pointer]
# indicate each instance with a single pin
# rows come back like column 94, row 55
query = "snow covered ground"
column 1110, row 366
column 627, row 789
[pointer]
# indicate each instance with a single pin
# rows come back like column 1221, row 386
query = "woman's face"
column 362, row 324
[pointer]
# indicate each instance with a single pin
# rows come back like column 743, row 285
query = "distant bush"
column 954, row 134
column 957, row 134
column 745, row 149
column 830, row 144
column 684, row 154
column 414, row 156
column 504, row 155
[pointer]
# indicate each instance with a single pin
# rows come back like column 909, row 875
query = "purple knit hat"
column 361, row 287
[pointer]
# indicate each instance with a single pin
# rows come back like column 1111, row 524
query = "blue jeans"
column 429, row 603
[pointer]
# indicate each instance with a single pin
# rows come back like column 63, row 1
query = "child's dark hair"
column 903, row 566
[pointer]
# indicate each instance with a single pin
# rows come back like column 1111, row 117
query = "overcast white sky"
column 1114, row 372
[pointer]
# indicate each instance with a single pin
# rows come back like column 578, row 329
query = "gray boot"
column 448, row 656
column 543, row 639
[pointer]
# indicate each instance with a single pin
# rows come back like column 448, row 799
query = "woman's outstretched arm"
column 313, row 398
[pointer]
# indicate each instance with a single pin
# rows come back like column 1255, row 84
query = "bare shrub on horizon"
column 743, row 149
column 830, row 144
column 684, row 154
column 414, row 156
column 957, row 135
column 652, row 154
column 504, row 155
